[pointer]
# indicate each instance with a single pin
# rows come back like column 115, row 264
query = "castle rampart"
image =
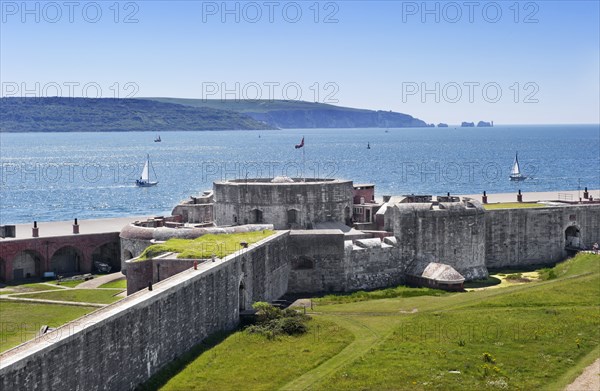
column 122, row 345
column 284, row 202
column 125, row 343
column 452, row 233
column 535, row 236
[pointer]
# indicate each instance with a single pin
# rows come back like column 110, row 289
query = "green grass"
column 399, row 291
column 120, row 284
column 538, row 335
column 530, row 349
column 244, row 361
column 205, row 246
column 582, row 264
column 77, row 295
column 31, row 287
column 21, row 321
column 69, row 284
column 513, row 205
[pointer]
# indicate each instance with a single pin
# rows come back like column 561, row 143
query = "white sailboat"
column 515, row 174
column 144, row 180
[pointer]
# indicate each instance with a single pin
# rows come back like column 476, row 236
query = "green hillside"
column 166, row 114
column 115, row 115
column 289, row 114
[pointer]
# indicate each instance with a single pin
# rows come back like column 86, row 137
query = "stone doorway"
column 572, row 237
column 242, row 297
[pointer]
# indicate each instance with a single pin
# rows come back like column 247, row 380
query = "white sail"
column 145, row 172
column 515, row 169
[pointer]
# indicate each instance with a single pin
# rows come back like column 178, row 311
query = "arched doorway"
column 292, row 217
column 107, row 253
column 242, row 297
column 257, row 216
column 26, row 264
column 573, row 237
column 66, row 260
column 2, row 270
column 303, row 263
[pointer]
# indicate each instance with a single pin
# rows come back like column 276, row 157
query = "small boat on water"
column 157, row 139
column 144, row 180
column 515, row 174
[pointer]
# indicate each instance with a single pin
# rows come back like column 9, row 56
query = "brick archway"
column 66, row 260
column 26, row 264
column 108, row 253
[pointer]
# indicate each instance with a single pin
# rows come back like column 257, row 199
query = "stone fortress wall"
column 454, row 231
column 127, row 342
column 447, row 230
column 122, row 345
column 538, row 236
column 297, row 204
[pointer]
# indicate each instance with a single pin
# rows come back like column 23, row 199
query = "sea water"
column 61, row 176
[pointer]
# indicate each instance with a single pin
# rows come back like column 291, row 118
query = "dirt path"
column 589, row 380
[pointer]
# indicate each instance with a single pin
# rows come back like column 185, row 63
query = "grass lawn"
column 205, row 246
column 80, row 295
column 399, row 291
column 244, row 361
column 121, row 284
column 513, row 205
column 69, row 284
column 21, row 321
column 23, row 288
column 536, row 335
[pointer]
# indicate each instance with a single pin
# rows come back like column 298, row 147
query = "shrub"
column 547, row 274
column 272, row 321
column 293, row 326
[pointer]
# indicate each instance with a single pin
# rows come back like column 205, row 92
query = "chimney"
column 35, row 231
column 75, row 227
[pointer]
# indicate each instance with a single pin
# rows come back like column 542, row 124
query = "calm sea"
column 54, row 176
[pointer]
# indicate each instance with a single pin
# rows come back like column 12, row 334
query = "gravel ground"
column 589, row 380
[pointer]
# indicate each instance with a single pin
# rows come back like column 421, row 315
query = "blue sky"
column 506, row 61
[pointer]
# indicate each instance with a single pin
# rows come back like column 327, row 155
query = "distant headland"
column 172, row 114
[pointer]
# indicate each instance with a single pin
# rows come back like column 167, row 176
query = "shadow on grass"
column 490, row 281
column 161, row 378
